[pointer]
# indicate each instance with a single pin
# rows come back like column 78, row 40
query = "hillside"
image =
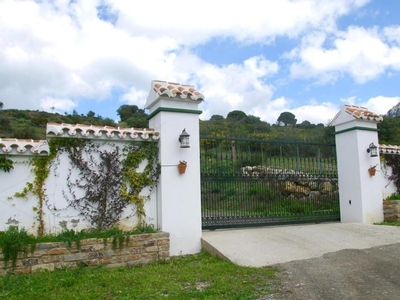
column 32, row 125
column 394, row 111
column 27, row 124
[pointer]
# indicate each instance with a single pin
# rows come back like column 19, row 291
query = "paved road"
column 368, row 274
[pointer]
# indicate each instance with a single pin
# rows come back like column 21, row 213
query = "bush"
column 12, row 242
column 395, row 196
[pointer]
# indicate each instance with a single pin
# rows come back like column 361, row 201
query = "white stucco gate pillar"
column 360, row 193
column 174, row 107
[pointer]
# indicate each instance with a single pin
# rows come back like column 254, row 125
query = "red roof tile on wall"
column 174, row 89
column 359, row 112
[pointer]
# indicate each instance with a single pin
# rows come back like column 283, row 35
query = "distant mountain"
column 394, row 111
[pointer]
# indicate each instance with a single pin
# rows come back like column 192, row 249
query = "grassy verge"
column 198, row 276
column 391, row 223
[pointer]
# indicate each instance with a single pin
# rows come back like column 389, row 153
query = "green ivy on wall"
column 393, row 161
column 6, row 164
column 108, row 176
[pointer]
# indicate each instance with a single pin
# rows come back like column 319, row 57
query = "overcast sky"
column 263, row 57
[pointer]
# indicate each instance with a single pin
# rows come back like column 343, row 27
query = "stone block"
column 134, row 243
column 96, row 255
column 164, row 248
column 52, row 259
column 163, row 254
column 92, row 248
column 63, row 265
column 161, row 234
column 75, row 257
column 30, row 262
column 163, row 241
column 39, row 253
column 151, row 249
column 57, row 251
column 134, row 257
column 149, row 243
column 44, row 246
column 93, row 241
column 325, row 187
column 137, row 250
column 48, row 267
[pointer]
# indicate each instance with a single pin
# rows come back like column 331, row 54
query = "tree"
column 132, row 116
column 136, row 121
column 389, row 131
column 91, row 114
column 236, row 115
column 252, row 120
column 217, row 118
column 287, row 118
column 108, row 122
column 127, row 111
column 306, row 124
column 1, row 105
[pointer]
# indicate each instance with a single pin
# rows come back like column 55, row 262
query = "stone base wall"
column 135, row 250
column 296, row 184
column 391, row 210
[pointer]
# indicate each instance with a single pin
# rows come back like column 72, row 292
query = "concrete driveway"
column 319, row 261
column 266, row 246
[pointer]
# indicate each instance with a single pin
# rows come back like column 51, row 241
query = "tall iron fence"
column 246, row 182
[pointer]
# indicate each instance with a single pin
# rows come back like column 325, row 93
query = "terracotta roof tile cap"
column 360, row 112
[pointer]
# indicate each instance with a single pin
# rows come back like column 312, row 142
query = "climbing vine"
column 40, row 169
column 133, row 181
column 6, row 164
column 108, row 179
column 393, row 161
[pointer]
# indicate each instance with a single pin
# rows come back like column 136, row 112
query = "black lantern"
column 184, row 139
column 372, row 150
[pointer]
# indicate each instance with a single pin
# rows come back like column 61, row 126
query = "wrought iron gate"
column 247, row 182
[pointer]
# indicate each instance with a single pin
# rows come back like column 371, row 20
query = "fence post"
column 173, row 108
column 360, row 194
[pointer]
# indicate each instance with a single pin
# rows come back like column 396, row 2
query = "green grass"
column 391, row 223
column 395, row 196
column 70, row 235
column 198, row 276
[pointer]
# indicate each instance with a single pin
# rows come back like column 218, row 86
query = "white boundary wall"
column 56, row 208
column 175, row 205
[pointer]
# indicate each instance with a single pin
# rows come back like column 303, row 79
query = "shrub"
column 12, row 242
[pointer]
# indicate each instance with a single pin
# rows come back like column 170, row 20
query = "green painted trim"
column 177, row 110
column 357, row 128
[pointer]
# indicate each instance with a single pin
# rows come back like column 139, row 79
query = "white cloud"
column 381, row 104
column 58, row 53
column 392, row 34
column 316, row 113
column 134, row 96
column 232, row 87
column 378, row 104
column 244, row 20
column 361, row 53
column 57, row 104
